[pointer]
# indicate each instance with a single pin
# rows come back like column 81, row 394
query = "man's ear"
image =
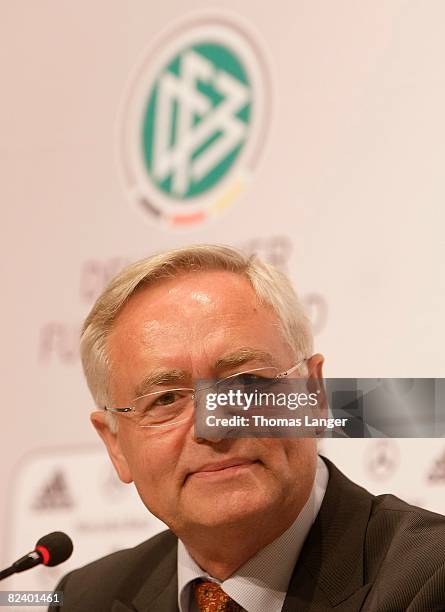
column 315, row 366
column 112, row 442
column 316, row 383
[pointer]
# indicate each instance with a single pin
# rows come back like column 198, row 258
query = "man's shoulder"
column 374, row 547
column 407, row 526
column 119, row 571
column 392, row 505
column 390, row 518
column 405, row 556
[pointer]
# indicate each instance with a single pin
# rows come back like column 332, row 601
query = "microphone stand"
column 26, row 562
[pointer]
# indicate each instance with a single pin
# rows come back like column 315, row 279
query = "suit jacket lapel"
column 166, row 599
column 330, row 572
column 159, row 590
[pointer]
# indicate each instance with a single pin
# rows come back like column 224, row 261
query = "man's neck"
column 220, row 551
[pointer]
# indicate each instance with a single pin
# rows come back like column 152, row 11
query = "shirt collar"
column 261, row 583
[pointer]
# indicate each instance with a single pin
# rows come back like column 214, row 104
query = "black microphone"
column 51, row 550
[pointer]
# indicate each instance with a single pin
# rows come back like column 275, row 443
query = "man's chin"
column 231, row 506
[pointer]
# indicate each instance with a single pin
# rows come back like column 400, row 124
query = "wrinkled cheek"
column 300, row 449
column 154, row 493
column 153, row 461
column 155, row 484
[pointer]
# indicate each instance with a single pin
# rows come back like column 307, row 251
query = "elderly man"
column 256, row 524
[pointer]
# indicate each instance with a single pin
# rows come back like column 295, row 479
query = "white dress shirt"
column 262, row 582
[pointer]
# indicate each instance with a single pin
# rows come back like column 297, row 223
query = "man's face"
column 200, row 323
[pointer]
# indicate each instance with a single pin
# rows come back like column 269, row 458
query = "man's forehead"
column 196, row 338
column 193, row 295
column 198, row 285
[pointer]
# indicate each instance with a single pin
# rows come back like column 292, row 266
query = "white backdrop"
column 339, row 181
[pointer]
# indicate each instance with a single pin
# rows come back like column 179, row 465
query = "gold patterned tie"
column 211, row 598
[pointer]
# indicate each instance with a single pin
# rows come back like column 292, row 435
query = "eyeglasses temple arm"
column 291, row 370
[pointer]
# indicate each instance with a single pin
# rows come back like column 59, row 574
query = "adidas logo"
column 54, row 495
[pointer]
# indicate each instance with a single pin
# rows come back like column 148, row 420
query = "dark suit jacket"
column 376, row 554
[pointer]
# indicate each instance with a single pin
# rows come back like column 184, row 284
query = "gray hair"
column 270, row 285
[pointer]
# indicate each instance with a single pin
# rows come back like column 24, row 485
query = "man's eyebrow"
column 177, row 376
column 160, row 377
column 242, row 356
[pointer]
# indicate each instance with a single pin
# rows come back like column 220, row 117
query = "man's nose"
column 200, row 433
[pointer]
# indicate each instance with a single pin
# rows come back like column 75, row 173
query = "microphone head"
column 55, row 548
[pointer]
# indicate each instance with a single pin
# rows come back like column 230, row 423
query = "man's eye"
column 249, row 379
column 159, row 402
column 166, row 399
column 174, row 399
